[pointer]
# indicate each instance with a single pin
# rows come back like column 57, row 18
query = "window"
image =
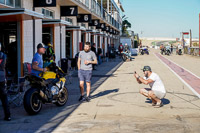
column 12, row 3
column 83, row 25
column 17, row 3
column 47, row 13
column 2, row 1
column 68, row 20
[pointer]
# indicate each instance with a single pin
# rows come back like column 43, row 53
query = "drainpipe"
column 199, row 34
column 33, row 34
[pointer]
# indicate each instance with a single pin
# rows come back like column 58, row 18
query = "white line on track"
column 179, row 76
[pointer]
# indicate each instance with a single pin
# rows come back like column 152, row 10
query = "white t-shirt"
column 179, row 47
column 157, row 85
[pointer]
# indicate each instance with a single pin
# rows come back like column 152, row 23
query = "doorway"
column 9, row 35
column 47, row 35
column 69, row 46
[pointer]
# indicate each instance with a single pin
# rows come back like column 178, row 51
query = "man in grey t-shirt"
column 85, row 61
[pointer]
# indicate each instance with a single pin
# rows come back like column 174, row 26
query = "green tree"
column 125, row 25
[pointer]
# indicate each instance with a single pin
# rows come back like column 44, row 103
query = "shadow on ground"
column 164, row 101
column 51, row 116
column 104, row 93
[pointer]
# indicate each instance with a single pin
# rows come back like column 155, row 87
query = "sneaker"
column 87, row 99
column 153, row 104
column 158, row 105
column 81, row 98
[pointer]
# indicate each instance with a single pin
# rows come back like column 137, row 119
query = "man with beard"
column 156, row 91
column 85, row 60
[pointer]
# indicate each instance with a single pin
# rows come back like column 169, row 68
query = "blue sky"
column 163, row 18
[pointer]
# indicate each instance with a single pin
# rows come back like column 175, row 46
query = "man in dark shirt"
column 3, row 91
column 93, row 48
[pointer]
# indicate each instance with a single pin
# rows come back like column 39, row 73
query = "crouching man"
column 156, row 91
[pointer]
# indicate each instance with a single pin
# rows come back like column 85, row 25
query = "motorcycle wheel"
column 147, row 53
column 32, row 102
column 142, row 53
column 64, row 97
column 124, row 58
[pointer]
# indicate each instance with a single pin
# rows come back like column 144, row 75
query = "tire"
column 124, row 58
column 147, row 53
column 142, row 53
column 32, row 102
column 64, row 98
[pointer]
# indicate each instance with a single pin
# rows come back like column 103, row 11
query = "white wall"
column 63, row 42
column 101, row 40
column 38, row 33
column 28, row 40
column 28, row 4
column 106, row 45
column 57, row 42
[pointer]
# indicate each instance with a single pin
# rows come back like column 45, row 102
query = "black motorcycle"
column 167, row 52
column 49, row 88
column 162, row 51
column 179, row 52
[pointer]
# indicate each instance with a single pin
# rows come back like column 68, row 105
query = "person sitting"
column 157, row 91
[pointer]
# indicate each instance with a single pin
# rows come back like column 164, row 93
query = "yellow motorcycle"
column 48, row 88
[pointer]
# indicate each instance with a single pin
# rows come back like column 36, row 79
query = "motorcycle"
column 179, row 52
column 162, row 51
column 167, row 52
column 126, row 55
column 144, row 51
column 48, row 88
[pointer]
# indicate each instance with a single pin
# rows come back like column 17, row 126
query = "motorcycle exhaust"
column 43, row 95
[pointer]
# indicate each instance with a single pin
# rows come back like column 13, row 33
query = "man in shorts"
column 156, row 91
column 85, row 61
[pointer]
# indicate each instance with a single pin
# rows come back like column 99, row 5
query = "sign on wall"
column 84, row 18
column 108, row 28
column 95, row 22
column 111, row 30
column 44, row 3
column 69, row 10
column 102, row 26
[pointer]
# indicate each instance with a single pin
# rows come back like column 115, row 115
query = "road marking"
column 188, row 78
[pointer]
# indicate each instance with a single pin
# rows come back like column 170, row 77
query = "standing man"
column 3, row 91
column 99, row 54
column 37, row 62
column 93, row 48
column 85, row 61
column 156, row 91
column 172, row 48
column 121, row 48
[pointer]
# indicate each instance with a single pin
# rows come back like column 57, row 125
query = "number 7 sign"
column 69, row 10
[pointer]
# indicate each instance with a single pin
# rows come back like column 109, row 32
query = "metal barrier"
column 191, row 51
column 95, row 7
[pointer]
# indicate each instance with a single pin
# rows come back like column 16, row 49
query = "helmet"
column 49, row 44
